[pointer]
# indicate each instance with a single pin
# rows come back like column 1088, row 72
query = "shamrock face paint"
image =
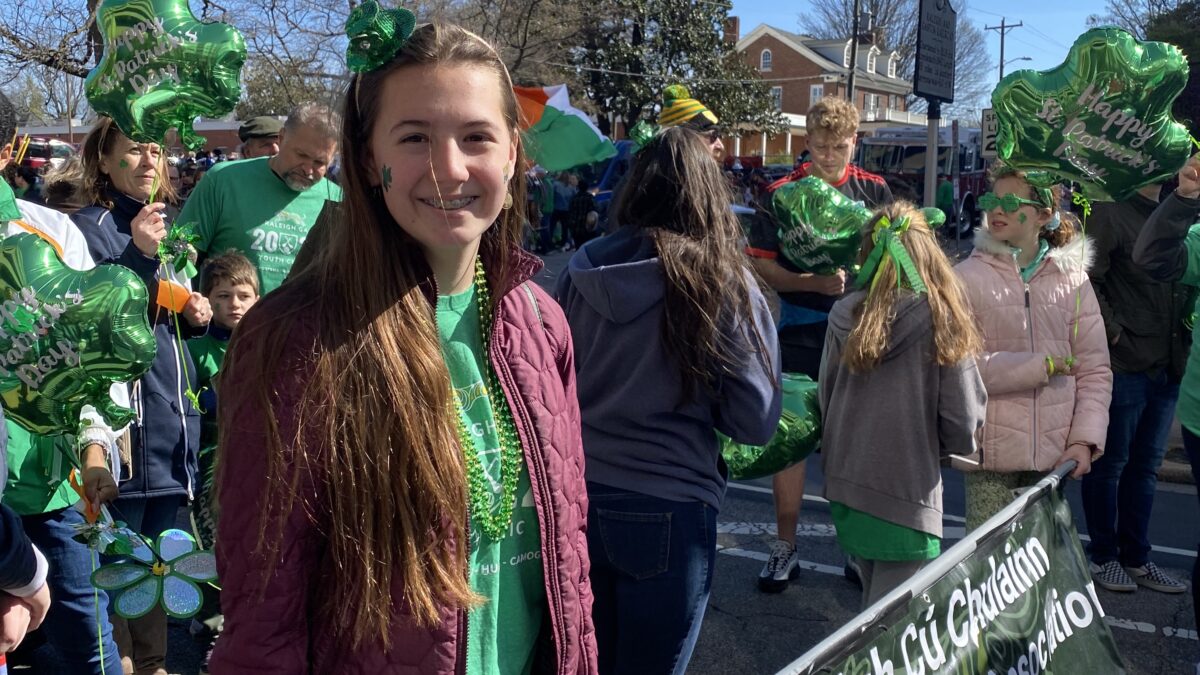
column 1018, row 227
column 162, row 68
column 1102, row 118
column 386, row 177
column 131, row 167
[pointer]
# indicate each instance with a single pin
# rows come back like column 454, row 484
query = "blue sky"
column 1049, row 30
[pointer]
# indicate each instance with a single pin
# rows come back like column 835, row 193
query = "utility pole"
column 853, row 56
column 1003, row 29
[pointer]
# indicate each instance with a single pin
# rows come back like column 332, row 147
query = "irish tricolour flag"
column 557, row 135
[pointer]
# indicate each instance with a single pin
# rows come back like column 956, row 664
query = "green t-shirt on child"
column 502, row 633
column 243, row 205
column 865, row 536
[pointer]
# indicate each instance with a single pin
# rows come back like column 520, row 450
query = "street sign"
column 987, row 132
column 934, row 71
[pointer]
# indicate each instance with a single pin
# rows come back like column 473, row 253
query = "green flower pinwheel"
column 177, row 249
column 169, row 575
column 376, row 35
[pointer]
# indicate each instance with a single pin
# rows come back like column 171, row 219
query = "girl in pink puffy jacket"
column 1045, row 361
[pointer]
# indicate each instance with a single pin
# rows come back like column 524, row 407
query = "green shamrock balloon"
column 162, row 69
column 66, row 336
column 1102, row 118
column 798, row 435
column 820, row 229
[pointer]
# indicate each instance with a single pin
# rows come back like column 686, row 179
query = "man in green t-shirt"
column 265, row 207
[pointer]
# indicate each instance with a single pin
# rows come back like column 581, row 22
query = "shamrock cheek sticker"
column 162, row 69
column 1102, row 118
column 66, row 336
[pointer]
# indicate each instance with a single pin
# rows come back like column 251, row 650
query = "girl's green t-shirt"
column 502, row 633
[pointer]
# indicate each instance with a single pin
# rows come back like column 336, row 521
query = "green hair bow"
column 888, row 250
column 376, row 35
column 641, row 134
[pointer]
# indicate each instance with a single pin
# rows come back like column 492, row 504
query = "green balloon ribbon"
column 375, row 35
column 889, row 249
column 66, row 336
column 820, row 229
column 797, row 437
column 1102, row 118
column 162, row 69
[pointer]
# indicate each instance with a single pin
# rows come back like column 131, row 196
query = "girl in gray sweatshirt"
column 899, row 392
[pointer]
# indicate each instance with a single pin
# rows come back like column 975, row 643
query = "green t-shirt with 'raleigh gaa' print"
column 243, row 205
column 502, row 633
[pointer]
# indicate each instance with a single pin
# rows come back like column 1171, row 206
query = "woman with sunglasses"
column 1045, row 360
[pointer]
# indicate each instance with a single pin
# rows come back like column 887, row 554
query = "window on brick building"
column 777, row 97
column 764, row 61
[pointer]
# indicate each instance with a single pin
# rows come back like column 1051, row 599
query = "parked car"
column 43, row 152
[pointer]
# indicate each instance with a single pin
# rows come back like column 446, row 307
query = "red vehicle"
column 46, row 152
column 898, row 154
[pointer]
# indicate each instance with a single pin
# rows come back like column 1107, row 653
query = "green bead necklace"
column 480, row 494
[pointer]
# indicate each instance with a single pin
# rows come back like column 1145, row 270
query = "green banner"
column 1022, row 603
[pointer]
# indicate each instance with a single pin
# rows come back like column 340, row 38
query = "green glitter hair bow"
column 641, row 134
column 889, row 250
column 376, row 35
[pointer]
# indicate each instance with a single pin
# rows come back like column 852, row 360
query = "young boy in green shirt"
column 230, row 283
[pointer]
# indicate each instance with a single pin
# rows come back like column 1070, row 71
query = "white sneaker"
column 780, row 568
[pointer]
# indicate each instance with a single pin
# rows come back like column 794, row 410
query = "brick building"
column 801, row 70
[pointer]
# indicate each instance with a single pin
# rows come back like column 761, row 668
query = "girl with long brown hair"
column 899, row 392
column 400, row 472
column 673, row 341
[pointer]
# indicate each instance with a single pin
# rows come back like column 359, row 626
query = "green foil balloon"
column 66, row 336
column 1102, row 118
column 820, row 229
column 162, row 69
column 798, row 435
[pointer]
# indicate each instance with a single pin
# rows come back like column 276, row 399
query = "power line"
column 1047, row 38
column 1003, row 29
column 710, row 80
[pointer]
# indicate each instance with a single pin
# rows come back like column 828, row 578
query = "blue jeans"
column 652, row 567
column 1118, row 494
column 71, row 624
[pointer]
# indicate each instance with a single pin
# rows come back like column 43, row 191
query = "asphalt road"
column 746, row 631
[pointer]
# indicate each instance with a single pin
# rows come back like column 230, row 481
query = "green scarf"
column 1028, row 270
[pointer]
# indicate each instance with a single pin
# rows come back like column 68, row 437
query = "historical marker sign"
column 934, row 71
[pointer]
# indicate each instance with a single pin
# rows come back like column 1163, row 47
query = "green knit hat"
column 679, row 107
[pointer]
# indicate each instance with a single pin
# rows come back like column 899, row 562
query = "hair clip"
column 376, row 35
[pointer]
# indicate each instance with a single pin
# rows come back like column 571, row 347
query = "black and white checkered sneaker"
column 1151, row 577
column 1112, row 576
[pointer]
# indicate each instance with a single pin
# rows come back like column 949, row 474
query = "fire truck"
column 898, row 154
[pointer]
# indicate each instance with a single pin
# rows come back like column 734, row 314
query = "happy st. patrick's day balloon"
column 820, row 229
column 66, row 336
column 162, row 69
column 1102, row 118
column 797, row 437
